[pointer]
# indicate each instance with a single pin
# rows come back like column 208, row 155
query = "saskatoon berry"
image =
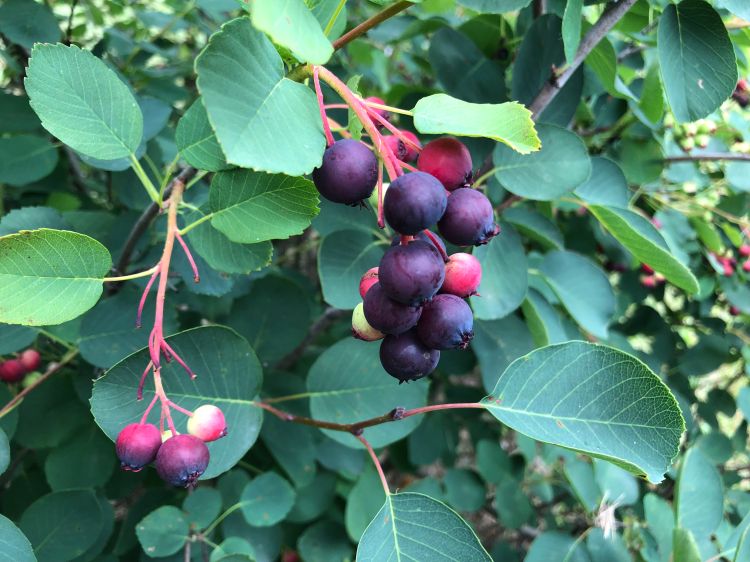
column 448, row 160
column 745, row 250
column 406, row 358
column 413, row 202
column 348, row 173
column 422, row 236
column 387, row 315
column 207, row 423
column 181, row 460
column 12, row 370
column 468, row 219
column 397, row 146
column 30, row 359
column 411, row 152
column 368, row 280
column 361, row 328
column 412, row 273
column 446, row 323
column 463, row 273
column 137, row 445
column 382, row 112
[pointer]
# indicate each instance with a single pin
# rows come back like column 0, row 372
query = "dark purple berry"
column 386, row 315
column 406, row 358
column 137, row 445
column 181, row 460
column 414, row 202
column 422, row 236
column 469, row 218
column 446, row 323
column 448, row 160
column 348, row 173
column 412, row 273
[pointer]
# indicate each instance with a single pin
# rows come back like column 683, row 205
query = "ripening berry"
column 30, row 359
column 181, row 460
column 406, row 358
column 648, row 281
column 446, row 323
column 647, row 269
column 702, row 141
column 12, row 370
column 448, row 160
column 463, row 273
column 728, row 268
column 411, row 273
column 348, row 173
column 368, row 280
column 387, row 315
column 207, row 423
column 411, row 151
column 382, row 112
column 413, row 202
column 746, row 266
column 137, row 445
column 734, row 311
column 745, row 250
column 469, row 218
column 361, row 328
column 396, row 145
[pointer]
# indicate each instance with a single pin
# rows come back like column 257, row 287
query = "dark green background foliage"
column 578, row 451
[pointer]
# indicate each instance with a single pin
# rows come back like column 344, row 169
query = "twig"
column 368, row 24
column 376, row 462
column 69, row 31
column 708, row 157
column 330, row 316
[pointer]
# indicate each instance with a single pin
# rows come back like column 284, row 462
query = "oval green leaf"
column 197, row 142
column 266, row 500
column 15, row 546
column 163, row 531
column 25, row 159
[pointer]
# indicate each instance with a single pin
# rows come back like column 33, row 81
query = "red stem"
column 436, row 243
column 148, row 409
column 377, row 464
column 145, row 296
column 139, row 394
column 387, row 124
column 167, row 349
column 321, row 105
column 381, row 220
column 179, row 408
column 407, row 166
column 196, row 276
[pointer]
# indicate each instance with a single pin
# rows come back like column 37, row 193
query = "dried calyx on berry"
column 137, row 445
column 181, row 460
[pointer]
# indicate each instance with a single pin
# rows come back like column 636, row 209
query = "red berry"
column 137, row 445
column 12, row 370
column 411, row 151
column 648, row 281
column 207, row 423
column 397, row 146
column 368, row 280
column 382, row 112
column 728, row 268
column 448, row 160
column 181, row 460
column 463, row 273
column 30, row 360
column 361, row 328
column 647, row 269
column 734, row 311
column 746, row 266
column 745, row 250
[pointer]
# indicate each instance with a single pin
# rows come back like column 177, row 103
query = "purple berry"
column 412, row 273
column 348, row 173
column 469, row 218
column 181, row 460
column 137, row 445
column 446, row 323
column 448, row 160
column 387, row 315
column 414, row 202
column 406, row 358
column 422, row 236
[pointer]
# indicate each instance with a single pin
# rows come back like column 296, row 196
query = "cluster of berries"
column 691, row 135
column 14, row 370
column 401, row 304
column 180, row 459
column 729, row 263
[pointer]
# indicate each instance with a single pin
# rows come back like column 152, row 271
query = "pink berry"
column 656, row 222
column 361, row 328
column 728, row 268
column 137, row 445
column 181, row 460
column 382, row 112
column 463, row 273
column 368, row 280
column 207, row 423
column 30, row 359
column 746, row 266
column 745, row 250
column 411, row 151
column 734, row 311
column 12, row 371
column 448, row 160
column 396, row 145
column 648, row 281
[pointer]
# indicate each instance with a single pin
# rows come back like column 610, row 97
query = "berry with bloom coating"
column 137, row 445
column 181, row 460
column 348, row 173
column 386, row 315
column 469, row 219
column 446, row 323
column 412, row 273
column 207, row 423
column 12, row 370
column 361, row 328
column 30, row 359
column 463, row 273
column 414, row 202
column 406, row 358
column 368, row 280
column 448, row 160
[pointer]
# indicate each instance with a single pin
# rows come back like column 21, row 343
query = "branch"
column 708, row 157
column 599, row 30
column 330, row 316
column 368, row 24
column 376, row 462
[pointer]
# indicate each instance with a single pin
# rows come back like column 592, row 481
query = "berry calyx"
column 463, row 274
column 448, row 160
column 361, row 328
column 181, row 460
column 406, row 358
column 446, row 323
column 137, row 445
column 207, row 423
column 412, row 273
column 12, row 370
column 30, row 359
column 368, row 280
column 469, row 219
column 412, row 152
column 397, row 146
column 386, row 315
column 348, row 173
column 413, row 202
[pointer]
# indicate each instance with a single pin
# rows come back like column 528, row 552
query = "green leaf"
column 606, row 185
column 16, row 115
column 202, row 506
column 642, row 160
column 582, row 288
column 696, row 57
column 197, row 142
column 416, row 527
column 660, row 520
column 26, row 23
column 651, row 103
column 343, row 258
column 595, row 400
column 363, row 503
column 229, row 376
column 15, row 338
column 313, row 499
column 495, row 6
column 560, row 166
column 536, row 226
column 82, row 102
column 15, row 545
column 497, row 344
column 554, row 545
column 463, row 489
column 266, row 500
column 262, row 120
column 325, row 542
column 603, row 61
column 292, row 25
column 62, row 525
column 737, row 7
column 88, row 444
column 4, row 451
column 504, row 276
column 645, row 242
column 25, row 159
column 685, row 547
column 543, row 319
column 251, row 207
column 49, row 276
column 509, row 123
column 347, row 384
column 571, row 28
column 163, row 531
